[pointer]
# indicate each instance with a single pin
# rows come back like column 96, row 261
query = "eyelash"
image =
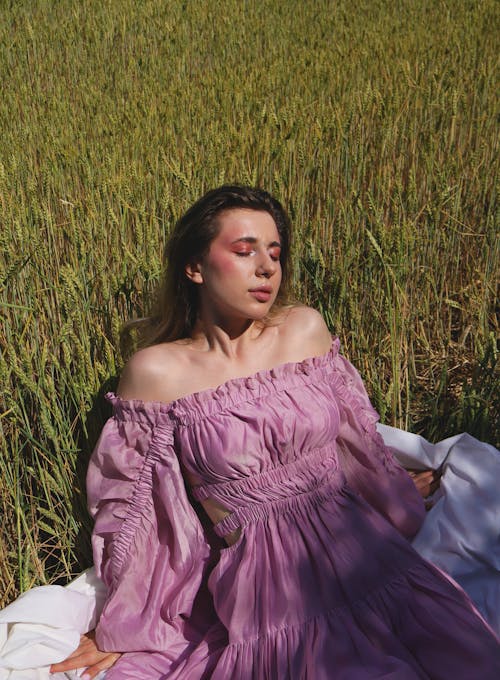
column 274, row 258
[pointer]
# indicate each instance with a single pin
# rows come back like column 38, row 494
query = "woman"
column 241, row 421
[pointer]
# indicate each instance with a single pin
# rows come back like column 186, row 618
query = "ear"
column 193, row 272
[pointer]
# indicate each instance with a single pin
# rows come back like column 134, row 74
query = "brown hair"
column 175, row 309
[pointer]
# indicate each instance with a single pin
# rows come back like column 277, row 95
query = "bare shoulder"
column 307, row 319
column 149, row 372
column 305, row 329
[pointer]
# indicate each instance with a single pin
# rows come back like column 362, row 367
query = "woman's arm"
column 147, row 540
column 369, row 466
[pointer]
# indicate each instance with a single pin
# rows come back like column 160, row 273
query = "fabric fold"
column 143, row 518
column 43, row 626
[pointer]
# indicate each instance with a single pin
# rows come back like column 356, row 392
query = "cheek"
column 225, row 263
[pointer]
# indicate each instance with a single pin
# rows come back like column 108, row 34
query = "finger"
column 66, row 665
column 426, row 475
column 76, row 660
column 423, row 488
column 83, row 655
column 75, row 653
column 104, row 664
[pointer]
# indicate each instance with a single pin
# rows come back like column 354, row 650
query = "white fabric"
column 43, row 626
column 461, row 535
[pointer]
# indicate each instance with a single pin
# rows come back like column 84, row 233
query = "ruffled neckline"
column 232, row 386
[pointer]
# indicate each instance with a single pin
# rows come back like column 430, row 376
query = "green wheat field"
column 374, row 121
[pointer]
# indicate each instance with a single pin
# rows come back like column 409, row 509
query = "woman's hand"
column 426, row 481
column 87, row 656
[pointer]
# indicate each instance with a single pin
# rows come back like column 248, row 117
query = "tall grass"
column 373, row 121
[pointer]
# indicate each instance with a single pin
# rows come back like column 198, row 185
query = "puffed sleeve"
column 148, row 544
column 369, row 466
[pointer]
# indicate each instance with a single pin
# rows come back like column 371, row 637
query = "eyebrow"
column 252, row 239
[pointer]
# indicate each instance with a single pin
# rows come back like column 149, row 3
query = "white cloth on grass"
column 43, row 626
column 461, row 535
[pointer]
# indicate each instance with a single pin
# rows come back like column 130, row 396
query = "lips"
column 262, row 293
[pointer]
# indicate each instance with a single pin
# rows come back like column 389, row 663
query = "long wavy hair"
column 175, row 310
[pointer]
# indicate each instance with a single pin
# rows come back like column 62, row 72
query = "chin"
column 262, row 313
column 255, row 315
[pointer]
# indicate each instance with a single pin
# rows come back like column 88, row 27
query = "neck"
column 231, row 339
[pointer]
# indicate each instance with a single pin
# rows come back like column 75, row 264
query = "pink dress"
column 322, row 583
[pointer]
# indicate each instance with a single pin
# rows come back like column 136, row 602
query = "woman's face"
column 240, row 275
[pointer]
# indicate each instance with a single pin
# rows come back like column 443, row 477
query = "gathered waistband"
column 310, row 479
column 245, row 515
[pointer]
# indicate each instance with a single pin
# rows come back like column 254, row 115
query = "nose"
column 267, row 266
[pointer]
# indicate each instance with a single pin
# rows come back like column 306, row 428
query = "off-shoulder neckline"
column 261, row 376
